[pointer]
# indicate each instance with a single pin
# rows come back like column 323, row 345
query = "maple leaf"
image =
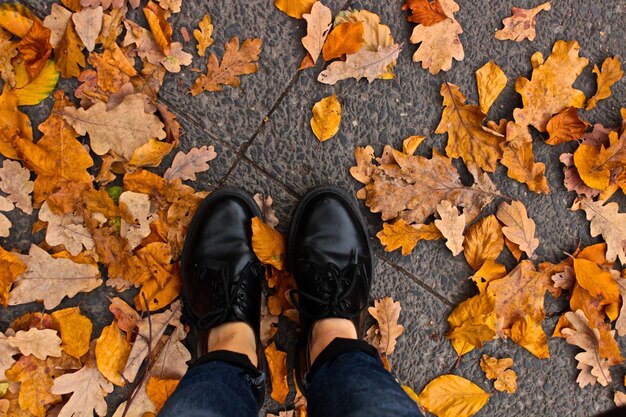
column 521, row 25
column 41, row 279
column 451, row 225
column 611, row 73
column 88, row 24
column 326, row 118
column 467, row 137
column 424, row 12
column 452, row 396
column 318, row 26
column 565, row 126
column 550, row 88
column 68, row 54
column 276, row 362
column 203, row 34
column 518, row 227
column 362, row 64
column 472, row 323
column 186, row 166
column 345, row 39
column 235, row 62
column 386, row 312
column 506, row 379
column 75, row 330
column 607, row 221
column 490, row 80
column 483, row 241
column 10, row 268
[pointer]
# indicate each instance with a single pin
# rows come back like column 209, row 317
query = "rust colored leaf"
column 159, row 26
column 518, row 157
column 565, row 126
column 483, row 242
column 35, row 49
column 68, row 55
column 345, row 38
column 268, row 244
column 10, row 268
column 277, row 364
column 424, row 12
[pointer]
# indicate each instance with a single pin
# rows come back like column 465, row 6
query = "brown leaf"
column 345, row 39
column 519, row 159
column 518, row 227
column 35, row 49
column 451, row 225
column 424, row 12
column 36, row 378
column 319, row 22
column 490, row 80
column 387, row 312
column 599, row 283
column 572, row 180
column 483, row 242
column 88, row 23
column 506, row 379
column 186, row 166
column 159, row 26
column 67, row 230
column 265, row 204
column 611, row 73
column 203, row 34
column 362, row 64
column 565, row 126
column 10, row 268
column 57, row 22
column 597, row 166
column 608, row 222
column 235, row 62
column 521, row 25
column 15, row 181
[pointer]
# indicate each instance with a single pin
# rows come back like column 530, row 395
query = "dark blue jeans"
column 347, row 380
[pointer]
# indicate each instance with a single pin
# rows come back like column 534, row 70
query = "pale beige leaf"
column 318, row 26
column 88, row 23
column 439, row 44
column 387, row 312
column 620, row 323
column 607, row 221
column 521, row 25
column 518, row 227
column 186, row 165
column 67, row 230
column 88, row 388
column 362, row 64
column 15, row 181
column 620, row 399
column 5, row 226
column 50, row 279
column 122, row 129
column 265, row 204
column 7, row 352
column 451, row 225
column 490, row 80
column 40, row 343
column 57, row 22
column 138, row 206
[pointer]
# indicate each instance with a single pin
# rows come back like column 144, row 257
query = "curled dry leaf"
column 203, row 34
column 410, row 144
column 599, row 165
column 565, row 126
column 506, row 379
column 610, row 74
column 451, row 225
column 68, row 55
column 362, row 64
column 518, row 157
column 268, row 244
column 518, row 227
column 521, row 25
column 483, row 242
column 452, row 396
column 15, row 181
column 490, row 80
column 326, row 118
column 265, row 204
column 424, row 12
column 186, row 165
column 386, row 312
column 318, row 26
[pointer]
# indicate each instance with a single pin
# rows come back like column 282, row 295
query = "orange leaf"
column 36, row 381
column 268, row 244
column 424, row 12
column 483, row 241
column 12, row 123
column 611, row 73
column 518, row 157
column 35, row 49
column 10, row 268
column 158, row 296
column 75, row 331
column 565, row 126
column 159, row 26
column 112, row 350
column 598, row 282
column 277, row 364
column 346, row 38
column 68, row 56
column 159, row 390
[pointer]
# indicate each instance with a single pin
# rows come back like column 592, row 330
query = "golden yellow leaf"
column 410, row 144
column 611, row 73
column 68, row 56
column 490, row 80
column 489, row 271
column 565, row 126
column 12, row 122
column 550, row 88
column 326, row 118
column 159, row 390
column 16, row 18
column 268, row 244
column 277, row 364
column 75, row 330
column 345, row 38
column 203, row 34
column 452, row 396
column 518, row 157
column 294, row 8
column 506, row 379
column 112, row 350
column 399, row 234
column 521, row 25
column 36, row 378
column 10, row 268
column 598, row 282
column 483, row 241
column 530, row 336
column 150, row 154
column 472, row 323
column 159, row 26
column 31, row 92
column 158, row 295
column 467, row 137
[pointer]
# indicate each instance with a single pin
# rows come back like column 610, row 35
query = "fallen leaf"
column 489, row 271
column 41, row 280
column 572, row 180
column 518, row 227
column 12, row 122
column 34, row 376
column 125, row 316
column 599, row 283
column 268, row 244
column 35, row 49
column 67, row 230
column 68, row 54
column 159, row 26
column 88, row 23
column 186, row 166
column 235, row 62
column 619, row 398
column 203, row 34
column 596, row 165
column 518, row 157
column 620, row 323
column 362, row 64
column 326, row 118
column 506, row 379
column 565, row 126
column 112, row 350
column 611, row 73
column 16, row 18
column 472, row 323
column 318, row 26
column 521, row 25
column 467, row 137
column 608, row 222
column 451, row 225
column 159, row 390
column 15, row 181
column 10, row 268
column 38, row 343
column 375, row 34
column 276, row 362
column 386, row 312
column 483, row 242
column 452, row 396
column 110, row 129
column 30, row 92
column 138, row 206
column 410, row 144
column 57, row 22
column 490, row 80
column 265, row 204
column 345, row 39
column 424, row 12
column 75, row 330
column 400, row 234
column 295, row 8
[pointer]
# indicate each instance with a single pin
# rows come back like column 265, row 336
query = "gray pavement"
column 264, row 143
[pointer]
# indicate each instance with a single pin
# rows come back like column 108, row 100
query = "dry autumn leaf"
column 521, row 25
column 610, row 74
column 276, row 362
column 565, row 126
column 483, row 241
column 386, row 312
column 15, row 181
column 68, row 54
column 32, row 92
column 345, row 39
column 75, row 331
column 186, row 166
column 607, row 221
column 10, row 268
column 268, row 244
column 518, row 227
column 36, row 378
column 424, row 12
column 295, row 8
column 518, row 157
column 506, row 379
column 318, row 26
column 452, row 396
column 67, row 230
column 326, row 118
column 203, row 34
column 112, row 350
column 451, row 225
column 472, row 323
column 490, row 80
column 159, row 390
column 410, row 144
column 88, row 24
column 362, row 64
column 400, row 234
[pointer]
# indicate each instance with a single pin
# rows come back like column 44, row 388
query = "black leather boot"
column 331, row 258
column 221, row 275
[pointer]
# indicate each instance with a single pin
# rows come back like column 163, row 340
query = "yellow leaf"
column 294, row 8
column 506, row 379
column 489, row 271
column 277, row 364
column 36, row 379
column 159, row 26
column 159, row 390
column 68, row 56
column 565, row 126
column 33, row 92
column 472, row 323
column 75, row 331
column 530, row 335
column 326, row 118
column 150, row 154
column 411, row 393
column 452, row 396
column 203, row 34
column 268, row 244
column 112, row 350
column 611, row 73
column 10, row 268
column 158, row 296
column 399, row 234
column 490, row 80
column 410, row 144
column 345, row 38
column 16, row 18
column 598, row 282
column 467, row 137
column 483, row 241
column 12, row 122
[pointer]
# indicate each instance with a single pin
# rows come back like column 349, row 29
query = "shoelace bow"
column 340, row 283
column 227, row 294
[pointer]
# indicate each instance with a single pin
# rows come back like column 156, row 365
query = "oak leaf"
column 8, row 50
column 42, row 279
column 38, row 343
column 375, row 34
column 12, row 122
column 112, row 350
column 139, row 208
column 66, row 229
column 326, row 118
column 386, row 312
column 550, row 88
column 494, row 368
column 68, row 54
column 268, row 244
column 125, row 316
column 452, row 396
column 597, row 165
column 276, row 362
column 265, row 204
column 518, row 227
column 400, row 234
column 345, row 39
column 518, row 157
column 410, row 144
column 15, row 181
column 620, row 323
column 295, row 8
column 88, row 23
column 472, row 323
column 572, row 180
column 235, row 62
column 607, row 221
column 424, row 12
column 110, row 129
column 36, row 379
column 611, row 73
column 318, row 26
column 10, row 268
column 483, row 241
column 88, row 388
column 362, row 64
column 186, row 165
column 75, row 330
column 565, row 126
column 521, row 25
column 451, row 225
column 203, row 34
column 490, row 80
column 467, row 137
